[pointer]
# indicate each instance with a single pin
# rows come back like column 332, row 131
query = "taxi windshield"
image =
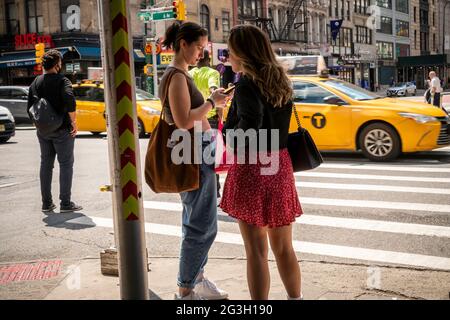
column 142, row 95
column 352, row 91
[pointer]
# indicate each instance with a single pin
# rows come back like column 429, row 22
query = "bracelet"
column 212, row 102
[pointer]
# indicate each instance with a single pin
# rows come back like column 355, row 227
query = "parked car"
column 7, row 125
column 402, row 89
column 15, row 98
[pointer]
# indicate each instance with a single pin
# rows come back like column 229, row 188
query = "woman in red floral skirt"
column 265, row 202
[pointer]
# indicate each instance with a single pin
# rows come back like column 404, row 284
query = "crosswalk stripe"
column 407, row 206
column 348, row 252
column 335, row 222
column 383, row 167
column 367, row 187
column 369, row 177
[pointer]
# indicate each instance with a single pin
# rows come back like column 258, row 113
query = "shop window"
column 35, row 20
column 204, row 18
column 402, row 6
column 12, row 22
column 385, row 4
column 385, row 50
column 225, row 25
column 385, row 25
column 402, row 28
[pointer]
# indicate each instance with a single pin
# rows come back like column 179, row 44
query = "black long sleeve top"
column 57, row 89
column 250, row 110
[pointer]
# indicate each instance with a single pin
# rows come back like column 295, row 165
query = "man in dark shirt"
column 57, row 90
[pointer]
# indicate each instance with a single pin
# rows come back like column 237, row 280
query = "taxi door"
column 325, row 115
column 90, row 110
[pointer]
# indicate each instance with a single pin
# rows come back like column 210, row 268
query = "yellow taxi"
column 342, row 116
column 91, row 110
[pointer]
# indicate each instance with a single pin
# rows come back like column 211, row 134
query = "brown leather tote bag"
column 161, row 174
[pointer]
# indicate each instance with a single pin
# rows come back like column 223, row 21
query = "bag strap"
column 166, row 90
column 297, row 118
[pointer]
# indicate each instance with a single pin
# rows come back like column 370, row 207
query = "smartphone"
column 228, row 90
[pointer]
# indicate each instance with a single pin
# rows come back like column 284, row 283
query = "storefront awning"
column 28, row 58
column 423, row 61
column 22, row 58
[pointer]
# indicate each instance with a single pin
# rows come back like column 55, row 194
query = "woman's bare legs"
column 256, row 248
column 288, row 267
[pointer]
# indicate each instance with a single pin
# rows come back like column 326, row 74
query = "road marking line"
column 407, row 206
column 367, row 187
column 356, row 253
column 383, row 167
column 335, row 222
column 8, row 185
column 369, row 177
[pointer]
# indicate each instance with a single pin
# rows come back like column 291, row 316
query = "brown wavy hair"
column 252, row 47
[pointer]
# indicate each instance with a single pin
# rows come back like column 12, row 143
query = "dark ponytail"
column 188, row 31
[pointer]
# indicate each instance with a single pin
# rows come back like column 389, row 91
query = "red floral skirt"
column 262, row 200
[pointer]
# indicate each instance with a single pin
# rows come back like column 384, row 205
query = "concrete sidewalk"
column 82, row 279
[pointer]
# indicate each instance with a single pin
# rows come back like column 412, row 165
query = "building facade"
column 393, row 36
column 71, row 26
column 425, row 53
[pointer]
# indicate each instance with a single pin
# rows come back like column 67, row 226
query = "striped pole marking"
column 122, row 83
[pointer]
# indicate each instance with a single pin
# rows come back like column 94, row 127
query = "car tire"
column 379, row 142
column 96, row 133
column 141, row 129
column 4, row 139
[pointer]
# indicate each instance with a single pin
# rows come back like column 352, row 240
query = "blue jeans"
column 61, row 144
column 199, row 226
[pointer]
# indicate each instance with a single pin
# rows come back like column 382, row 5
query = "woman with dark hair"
column 185, row 107
column 265, row 203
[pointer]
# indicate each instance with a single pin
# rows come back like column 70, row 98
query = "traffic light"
column 179, row 10
column 40, row 51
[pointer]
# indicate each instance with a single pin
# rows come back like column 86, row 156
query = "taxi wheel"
column 379, row 142
column 141, row 130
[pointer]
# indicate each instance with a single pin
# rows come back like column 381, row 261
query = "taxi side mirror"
column 334, row 100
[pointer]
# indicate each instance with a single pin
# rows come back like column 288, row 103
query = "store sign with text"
column 70, row 15
column 29, row 40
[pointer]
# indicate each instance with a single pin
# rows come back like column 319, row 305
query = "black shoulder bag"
column 302, row 149
column 46, row 119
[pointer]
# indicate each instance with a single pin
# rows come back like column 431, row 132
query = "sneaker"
column 209, row 291
column 71, row 207
column 48, row 208
column 190, row 296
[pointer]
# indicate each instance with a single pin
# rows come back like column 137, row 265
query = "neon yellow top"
column 204, row 79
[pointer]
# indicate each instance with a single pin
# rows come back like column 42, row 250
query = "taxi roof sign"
column 304, row 65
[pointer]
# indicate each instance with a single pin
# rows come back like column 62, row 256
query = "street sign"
column 147, row 16
column 166, row 58
column 163, row 15
column 148, row 48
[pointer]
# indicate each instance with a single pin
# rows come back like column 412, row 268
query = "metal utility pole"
column 124, row 158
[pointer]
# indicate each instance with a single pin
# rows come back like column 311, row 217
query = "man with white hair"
column 435, row 89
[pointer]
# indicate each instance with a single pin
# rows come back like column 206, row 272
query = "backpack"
column 46, row 119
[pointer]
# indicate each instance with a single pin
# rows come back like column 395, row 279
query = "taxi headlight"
column 151, row 111
column 9, row 116
column 420, row 118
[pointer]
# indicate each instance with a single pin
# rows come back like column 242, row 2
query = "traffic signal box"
column 40, row 51
column 179, row 10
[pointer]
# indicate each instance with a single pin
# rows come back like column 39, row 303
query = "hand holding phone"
column 228, row 90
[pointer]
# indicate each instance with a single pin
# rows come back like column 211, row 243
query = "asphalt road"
column 355, row 211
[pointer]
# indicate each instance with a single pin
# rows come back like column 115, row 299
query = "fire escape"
column 287, row 25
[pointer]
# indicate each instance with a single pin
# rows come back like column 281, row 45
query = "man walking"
column 57, row 90
column 207, row 80
column 435, row 89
